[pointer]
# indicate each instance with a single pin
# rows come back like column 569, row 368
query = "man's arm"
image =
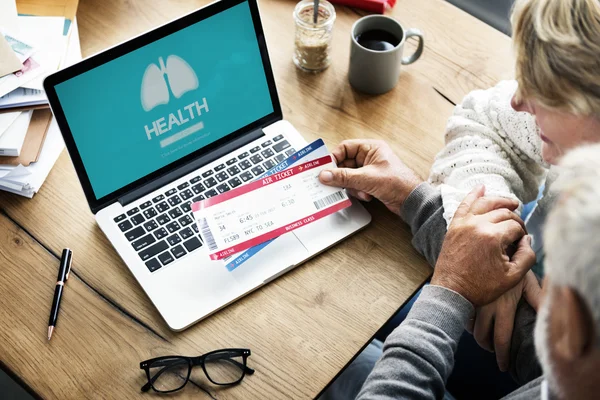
column 423, row 212
column 418, row 356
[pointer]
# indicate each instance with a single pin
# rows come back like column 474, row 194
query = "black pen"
column 63, row 275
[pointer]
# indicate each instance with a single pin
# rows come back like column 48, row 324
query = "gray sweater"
column 418, row 356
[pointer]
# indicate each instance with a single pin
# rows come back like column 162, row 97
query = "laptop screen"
column 149, row 108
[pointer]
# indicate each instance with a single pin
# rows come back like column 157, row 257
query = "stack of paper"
column 31, row 48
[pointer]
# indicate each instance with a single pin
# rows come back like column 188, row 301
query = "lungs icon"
column 181, row 78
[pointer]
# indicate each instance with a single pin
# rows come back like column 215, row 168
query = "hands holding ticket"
column 287, row 197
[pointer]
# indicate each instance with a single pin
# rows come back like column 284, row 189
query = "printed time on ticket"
column 269, row 207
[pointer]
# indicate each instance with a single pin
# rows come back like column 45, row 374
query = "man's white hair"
column 572, row 232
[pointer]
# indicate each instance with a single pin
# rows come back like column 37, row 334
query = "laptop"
column 181, row 113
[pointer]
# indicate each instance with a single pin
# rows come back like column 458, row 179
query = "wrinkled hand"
column 473, row 261
column 369, row 168
column 493, row 324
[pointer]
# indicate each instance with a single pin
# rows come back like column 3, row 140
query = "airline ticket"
column 264, row 209
column 314, row 150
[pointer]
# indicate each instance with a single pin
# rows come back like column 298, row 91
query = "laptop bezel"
column 131, row 45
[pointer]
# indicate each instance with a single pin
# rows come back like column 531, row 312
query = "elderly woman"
column 507, row 137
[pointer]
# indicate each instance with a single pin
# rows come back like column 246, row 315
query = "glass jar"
column 312, row 45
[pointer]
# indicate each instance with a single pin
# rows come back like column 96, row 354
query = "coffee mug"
column 376, row 70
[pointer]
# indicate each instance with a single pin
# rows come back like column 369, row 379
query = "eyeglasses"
column 224, row 367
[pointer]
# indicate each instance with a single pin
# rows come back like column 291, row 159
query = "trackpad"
column 281, row 253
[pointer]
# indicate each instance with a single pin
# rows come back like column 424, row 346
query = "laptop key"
column 173, row 227
column 290, row 152
column 150, row 213
column 135, row 233
column 235, row 182
column 232, row 161
column 186, row 233
column 185, row 220
column 281, row 146
column 207, row 173
column 198, row 198
column 170, row 192
column 151, row 225
column 267, row 153
column 183, row 186
column 158, row 198
column 221, row 176
column 175, row 213
column 192, row 244
column 219, row 167
column 233, row 170
column 125, row 225
column 255, row 149
column 211, row 193
column 256, row 158
column 153, row 250
column 222, row 188
column 163, row 219
column 258, row 170
column 245, row 164
column 199, row 188
column 174, row 239
column 145, row 205
column 137, row 219
column 246, row 176
column 178, row 251
column 143, row 242
column 133, row 211
column 186, row 207
column 210, row 182
column 162, row 207
column 269, row 164
column 195, row 227
column 186, row 194
column 161, row 233
column 175, row 200
column 279, row 158
column 166, row 258
column 277, row 138
column 195, row 179
column 153, row 265
column 243, row 155
column 119, row 218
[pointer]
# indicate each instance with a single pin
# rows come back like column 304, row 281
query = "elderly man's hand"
column 474, row 260
column 369, row 168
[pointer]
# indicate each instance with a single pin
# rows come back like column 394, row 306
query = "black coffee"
column 378, row 40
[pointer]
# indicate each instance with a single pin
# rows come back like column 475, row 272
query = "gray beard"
column 542, row 326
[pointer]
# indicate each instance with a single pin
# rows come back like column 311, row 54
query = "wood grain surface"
column 302, row 328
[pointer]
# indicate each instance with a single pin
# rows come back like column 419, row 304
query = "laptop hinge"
column 193, row 165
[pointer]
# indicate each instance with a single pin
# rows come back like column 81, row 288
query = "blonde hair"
column 557, row 45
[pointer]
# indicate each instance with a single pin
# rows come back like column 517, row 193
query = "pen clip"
column 69, row 267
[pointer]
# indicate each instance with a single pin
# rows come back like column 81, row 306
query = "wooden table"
column 304, row 327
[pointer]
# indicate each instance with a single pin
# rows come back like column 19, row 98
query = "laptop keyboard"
column 163, row 229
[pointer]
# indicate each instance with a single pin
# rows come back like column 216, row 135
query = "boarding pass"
column 262, row 210
column 314, row 150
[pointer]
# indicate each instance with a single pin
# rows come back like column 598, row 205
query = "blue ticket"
column 315, row 150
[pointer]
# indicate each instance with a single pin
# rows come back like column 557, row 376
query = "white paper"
column 46, row 34
column 26, row 181
column 7, row 120
column 12, row 140
column 21, row 97
column 8, row 15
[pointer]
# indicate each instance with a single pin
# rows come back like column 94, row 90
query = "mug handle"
column 415, row 56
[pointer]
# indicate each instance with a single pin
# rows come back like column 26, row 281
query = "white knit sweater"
column 488, row 142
